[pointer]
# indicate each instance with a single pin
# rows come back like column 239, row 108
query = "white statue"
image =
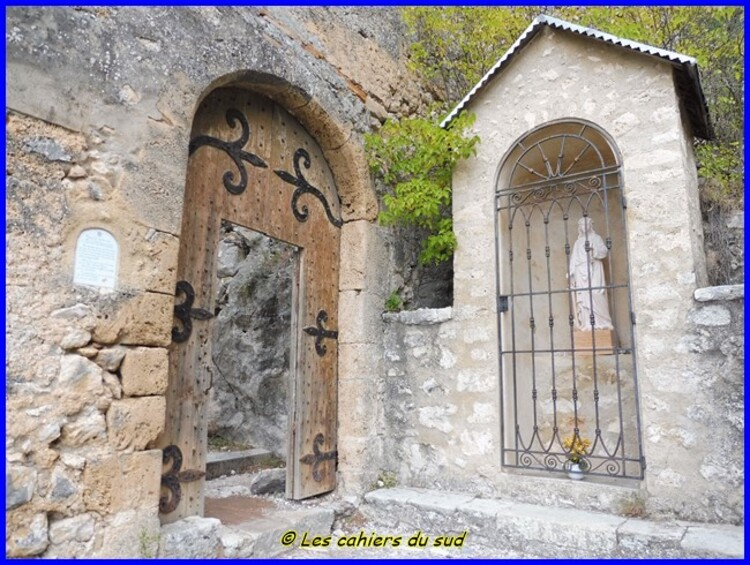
column 586, row 274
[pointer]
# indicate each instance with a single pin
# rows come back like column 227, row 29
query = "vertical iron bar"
column 623, row 443
column 572, row 304
column 500, row 351
column 632, row 331
column 589, row 260
column 551, row 327
column 532, row 327
column 511, row 217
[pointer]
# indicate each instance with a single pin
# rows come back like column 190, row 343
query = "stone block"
column 260, row 537
column 134, row 422
column 362, row 256
column 78, row 528
column 193, row 537
column 420, row 317
column 132, row 533
column 359, row 317
column 123, row 482
column 356, row 453
column 26, row 536
column 726, row 292
column 360, row 361
column 159, row 273
column 74, row 339
column 714, row 541
column 555, row 529
column 110, row 358
column 269, row 481
column 357, row 406
column 144, row 371
column 81, row 382
column 87, row 425
column 355, row 243
column 236, row 544
column 145, row 319
column 62, row 486
column 713, row 315
column 443, row 502
column 20, row 483
column 387, row 497
column 641, row 538
column 349, row 165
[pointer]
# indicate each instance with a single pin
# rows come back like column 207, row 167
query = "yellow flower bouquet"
column 577, row 447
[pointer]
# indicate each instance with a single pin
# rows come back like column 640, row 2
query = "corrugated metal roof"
column 686, row 70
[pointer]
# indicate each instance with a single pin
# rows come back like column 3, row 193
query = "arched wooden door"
column 252, row 164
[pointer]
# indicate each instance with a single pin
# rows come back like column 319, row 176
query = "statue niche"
column 588, row 285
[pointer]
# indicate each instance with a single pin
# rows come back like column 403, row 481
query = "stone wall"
column 443, row 381
column 442, row 426
column 99, row 108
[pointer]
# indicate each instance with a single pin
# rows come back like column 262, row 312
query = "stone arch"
column 341, row 148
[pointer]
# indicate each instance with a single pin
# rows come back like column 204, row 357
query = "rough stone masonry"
column 99, row 108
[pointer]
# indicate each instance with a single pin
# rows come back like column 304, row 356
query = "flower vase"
column 575, row 472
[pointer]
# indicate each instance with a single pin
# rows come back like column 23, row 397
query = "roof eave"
column 687, row 81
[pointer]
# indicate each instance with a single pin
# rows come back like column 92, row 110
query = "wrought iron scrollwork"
column 183, row 312
column 321, row 333
column 304, row 187
column 173, row 477
column 234, row 149
column 317, row 457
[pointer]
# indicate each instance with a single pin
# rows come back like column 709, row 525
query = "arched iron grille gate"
column 567, row 360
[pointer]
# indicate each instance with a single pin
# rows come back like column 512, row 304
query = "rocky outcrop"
column 251, row 337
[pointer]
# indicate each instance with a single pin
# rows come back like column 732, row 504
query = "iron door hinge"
column 502, row 303
column 632, row 318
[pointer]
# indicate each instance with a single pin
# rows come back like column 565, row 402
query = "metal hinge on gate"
column 624, row 202
column 643, row 462
column 502, row 303
column 632, row 318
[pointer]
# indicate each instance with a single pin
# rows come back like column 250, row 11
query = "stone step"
column 543, row 531
column 262, row 537
column 235, row 462
column 208, row 538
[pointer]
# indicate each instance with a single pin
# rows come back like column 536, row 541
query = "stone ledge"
column 218, row 464
column 726, row 292
column 421, row 317
column 542, row 531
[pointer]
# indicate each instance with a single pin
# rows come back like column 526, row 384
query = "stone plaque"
column 96, row 259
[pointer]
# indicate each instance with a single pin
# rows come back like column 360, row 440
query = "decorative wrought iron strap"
column 317, row 457
column 185, row 311
column 321, row 333
column 171, row 479
column 234, row 149
column 304, row 187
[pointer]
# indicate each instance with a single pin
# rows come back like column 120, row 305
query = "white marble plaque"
column 96, row 259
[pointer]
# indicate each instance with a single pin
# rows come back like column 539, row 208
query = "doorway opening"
column 251, row 337
column 252, row 165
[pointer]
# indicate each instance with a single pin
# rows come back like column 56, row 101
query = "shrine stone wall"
column 442, row 428
column 442, row 380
